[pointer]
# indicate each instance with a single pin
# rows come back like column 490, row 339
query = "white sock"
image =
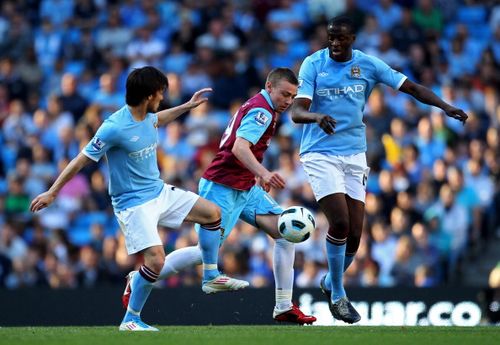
column 283, row 259
column 180, row 259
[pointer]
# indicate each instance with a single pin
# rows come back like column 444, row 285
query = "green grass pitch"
column 261, row 335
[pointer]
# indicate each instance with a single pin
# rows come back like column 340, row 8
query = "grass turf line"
column 260, row 335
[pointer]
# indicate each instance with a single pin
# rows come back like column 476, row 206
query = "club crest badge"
column 355, row 72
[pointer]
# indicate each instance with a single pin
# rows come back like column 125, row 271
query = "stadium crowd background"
column 433, row 201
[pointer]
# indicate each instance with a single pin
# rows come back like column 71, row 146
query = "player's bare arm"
column 168, row 115
column 301, row 114
column 241, row 149
column 426, row 96
column 45, row 199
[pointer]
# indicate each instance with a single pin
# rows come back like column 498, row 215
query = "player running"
column 335, row 83
column 230, row 182
column 141, row 200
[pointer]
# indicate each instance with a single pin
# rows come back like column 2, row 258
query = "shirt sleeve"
column 385, row 74
column 254, row 125
column 154, row 119
column 102, row 141
column 307, row 79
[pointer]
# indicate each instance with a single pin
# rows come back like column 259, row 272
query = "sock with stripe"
column 209, row 237
column 141, row 285
column 335, row 250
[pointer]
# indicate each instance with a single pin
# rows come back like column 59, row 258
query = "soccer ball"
column 296, row 224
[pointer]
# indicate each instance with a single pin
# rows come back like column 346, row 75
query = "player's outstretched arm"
column 168, row 115
column 426, row 96
column 301, row 114
column 241, row 149
column 45, row 199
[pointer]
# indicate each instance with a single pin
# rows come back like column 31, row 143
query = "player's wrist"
column 53, row 192
column 448, row 108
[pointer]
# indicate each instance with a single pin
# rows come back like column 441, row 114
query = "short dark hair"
column 341, row 21
column 280, row 73
column 142, row 83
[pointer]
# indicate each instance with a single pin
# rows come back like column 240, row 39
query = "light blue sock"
column 209, row 244
column 141, row 288
column 347, row 262
column 335, row 256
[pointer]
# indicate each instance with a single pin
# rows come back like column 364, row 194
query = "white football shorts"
column 329, row 174
column 139, row 224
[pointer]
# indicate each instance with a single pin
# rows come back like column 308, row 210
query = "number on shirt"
column 228, row 131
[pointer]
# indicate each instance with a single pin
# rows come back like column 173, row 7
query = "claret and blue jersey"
column 130, row 147
column 341, row 89
column 255, row 122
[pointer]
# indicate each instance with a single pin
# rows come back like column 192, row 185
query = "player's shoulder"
column 261, row 100
column 362, row 57
column 116, row 120
column 318, row 56
column 118, row 115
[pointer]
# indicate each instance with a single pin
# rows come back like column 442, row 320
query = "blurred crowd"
column 433, row 202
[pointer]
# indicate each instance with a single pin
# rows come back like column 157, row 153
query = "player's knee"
column 156, row 264
column 341, row 224
column 340, row 227
column 214, row 213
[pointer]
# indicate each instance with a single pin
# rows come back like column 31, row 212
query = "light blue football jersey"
column 130, row 147
column 256, row 121
column 341, row 89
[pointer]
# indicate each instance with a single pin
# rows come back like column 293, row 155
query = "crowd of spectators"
column 433, row 201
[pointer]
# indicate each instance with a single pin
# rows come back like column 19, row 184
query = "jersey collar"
column 267, row 97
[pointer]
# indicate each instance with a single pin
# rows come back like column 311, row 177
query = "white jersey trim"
column 89, row 156
column 401, row 82
column 304, row 96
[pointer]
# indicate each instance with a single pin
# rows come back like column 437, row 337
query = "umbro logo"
column 134, row 138
column 323, row 74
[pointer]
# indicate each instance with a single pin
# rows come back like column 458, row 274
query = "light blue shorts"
column 237, row 204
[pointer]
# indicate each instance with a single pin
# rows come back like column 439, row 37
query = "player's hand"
column 274, row 180
column 326, row 122
column 42, row 201
column 265, row 186
column 198, row 97
column 456, row 113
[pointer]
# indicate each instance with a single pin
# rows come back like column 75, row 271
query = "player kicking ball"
column 230, row 182
column 335, row 83
column 141, row 200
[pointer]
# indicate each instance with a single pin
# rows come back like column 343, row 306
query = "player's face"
column 154, row 102
column 282, row 94
column 340, row 41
